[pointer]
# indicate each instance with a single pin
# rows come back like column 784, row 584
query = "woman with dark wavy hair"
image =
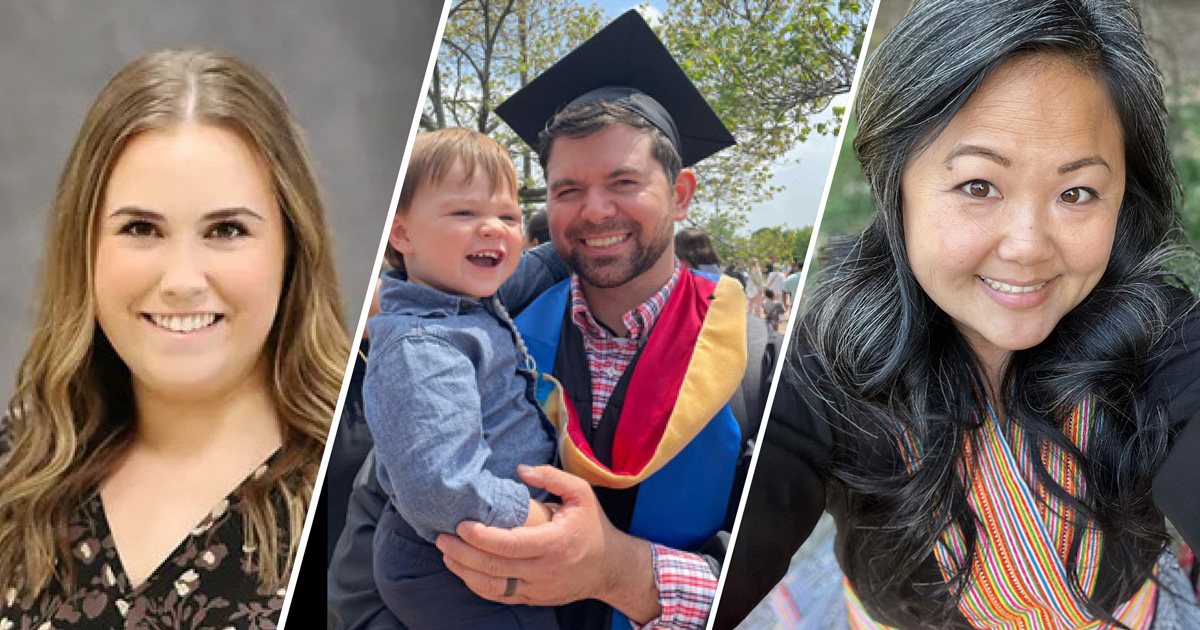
column 991, row 374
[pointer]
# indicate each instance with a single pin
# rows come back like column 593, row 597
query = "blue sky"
column 802, row 173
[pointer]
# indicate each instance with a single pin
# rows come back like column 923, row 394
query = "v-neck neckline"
column 123, row 583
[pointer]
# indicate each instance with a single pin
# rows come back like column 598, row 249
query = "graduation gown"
column 664, row 454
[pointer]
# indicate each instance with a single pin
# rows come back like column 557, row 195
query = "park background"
column 777, row 72
column 807, row 597
column 1173, row 30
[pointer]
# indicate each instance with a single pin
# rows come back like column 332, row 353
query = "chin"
column 477, row 292
column 192, row 381
column 1020, row 341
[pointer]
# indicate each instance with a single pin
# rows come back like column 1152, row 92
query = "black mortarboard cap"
column 626, row 64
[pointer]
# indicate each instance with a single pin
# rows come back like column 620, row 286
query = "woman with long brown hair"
column 171, row 411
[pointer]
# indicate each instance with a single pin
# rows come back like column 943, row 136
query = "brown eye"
column 979, row 188
column 1076, row 195
column 227, row 230
column 139, row 228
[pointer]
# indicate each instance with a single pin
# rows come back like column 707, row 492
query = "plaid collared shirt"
column 686, row 585
column 610, row 355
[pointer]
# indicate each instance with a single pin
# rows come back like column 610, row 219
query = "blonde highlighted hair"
column 72, row 413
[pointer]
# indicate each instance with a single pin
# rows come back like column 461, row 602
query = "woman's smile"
column 184, row 323
column 1017, row 296
column 189, row 259
column 1011, row 211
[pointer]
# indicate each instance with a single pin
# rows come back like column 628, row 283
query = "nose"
column 597, row 206
column 184, row 271
column 492, row 227
column 1025, row 235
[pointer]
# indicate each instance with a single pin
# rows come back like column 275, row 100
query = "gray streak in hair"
column 886, row 349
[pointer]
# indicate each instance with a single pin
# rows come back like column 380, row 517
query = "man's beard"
column 607, row 272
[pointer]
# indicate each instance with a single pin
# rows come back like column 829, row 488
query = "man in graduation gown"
column 648, row 354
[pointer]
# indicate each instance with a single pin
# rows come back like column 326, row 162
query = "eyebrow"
column 623, row 171
column 1091, row 160
column 614, row 174
column 974, row 149
column 562, row 183
column 219, row 214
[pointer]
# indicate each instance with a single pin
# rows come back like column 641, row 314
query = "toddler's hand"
column 539, row 513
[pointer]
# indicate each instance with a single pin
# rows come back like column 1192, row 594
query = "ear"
column 685, row 188
column 398, row 236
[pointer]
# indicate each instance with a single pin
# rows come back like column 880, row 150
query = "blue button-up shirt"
column 449, row 398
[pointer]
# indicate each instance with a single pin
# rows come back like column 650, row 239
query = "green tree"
column 766, row 66
column 490, row 49
column 779, row 243
column 771, row 244
column 849, row 208
column 461, row 93
column 800, row 240
column 724, row 223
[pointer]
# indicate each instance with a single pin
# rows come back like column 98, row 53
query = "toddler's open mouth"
column 486, row 258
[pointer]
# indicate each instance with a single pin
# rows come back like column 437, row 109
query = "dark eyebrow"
column 232, row 213
column 216, row 215
column 624, row 171
column 560, row 183
column 1091, row 160
column 136, row 213
column 974, row 149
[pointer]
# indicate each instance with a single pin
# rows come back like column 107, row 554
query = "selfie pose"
column 992, row 373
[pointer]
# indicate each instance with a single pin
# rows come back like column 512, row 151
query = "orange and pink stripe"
column 1019, row 579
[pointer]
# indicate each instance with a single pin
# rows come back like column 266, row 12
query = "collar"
column 399, row 296
column 638, row 320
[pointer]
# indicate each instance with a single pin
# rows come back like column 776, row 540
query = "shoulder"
column 420, row 344
column 1173, row 366
column 545, row 255
column 810, row 400
column 1174, row 385
column 452, row 347
column 461, row 328
column 1178, row 348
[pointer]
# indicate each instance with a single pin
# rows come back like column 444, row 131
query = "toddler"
column 449, row 390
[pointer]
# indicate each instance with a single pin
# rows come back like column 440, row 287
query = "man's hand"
column 577, row 555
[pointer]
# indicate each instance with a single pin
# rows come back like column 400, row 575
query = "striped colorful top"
column 1023, row 537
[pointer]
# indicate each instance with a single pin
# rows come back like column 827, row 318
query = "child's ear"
column 398, row 236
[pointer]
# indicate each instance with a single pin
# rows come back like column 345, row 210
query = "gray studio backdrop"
column 351, row 72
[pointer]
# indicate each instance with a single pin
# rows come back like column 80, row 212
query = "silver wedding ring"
column 510, row 588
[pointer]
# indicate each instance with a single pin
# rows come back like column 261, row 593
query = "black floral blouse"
column 208, row 581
